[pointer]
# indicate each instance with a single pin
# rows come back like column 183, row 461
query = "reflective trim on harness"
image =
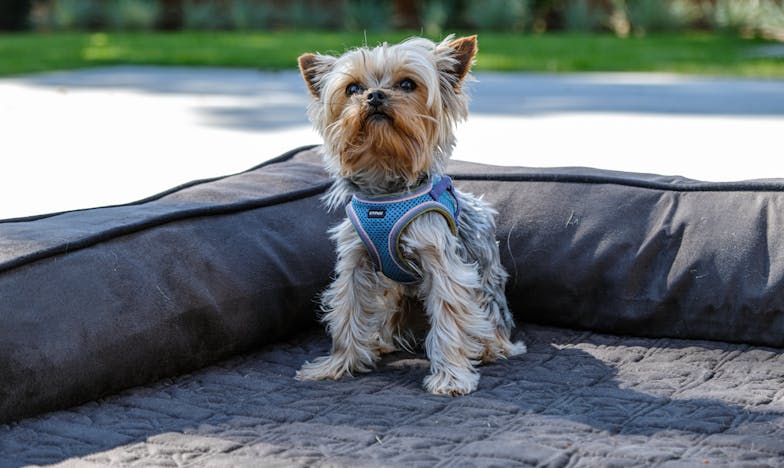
column 381, row 221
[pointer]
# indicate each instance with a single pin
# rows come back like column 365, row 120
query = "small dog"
column 410, row 239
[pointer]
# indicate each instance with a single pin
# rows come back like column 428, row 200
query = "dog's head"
column 387, row 114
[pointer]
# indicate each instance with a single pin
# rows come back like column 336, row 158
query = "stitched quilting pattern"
column 575, row 399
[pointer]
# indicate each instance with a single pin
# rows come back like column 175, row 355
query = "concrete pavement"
column 113, row 135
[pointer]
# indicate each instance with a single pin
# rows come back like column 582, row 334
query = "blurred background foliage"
column 748, row 18
column 715, row 37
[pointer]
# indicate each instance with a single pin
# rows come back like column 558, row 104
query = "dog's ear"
column 465, row 50
column 313, row 67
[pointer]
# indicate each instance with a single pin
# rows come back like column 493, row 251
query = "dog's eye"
column 407, row 84
column 354, row 88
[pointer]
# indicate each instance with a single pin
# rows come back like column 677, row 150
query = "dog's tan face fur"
column 387, row 113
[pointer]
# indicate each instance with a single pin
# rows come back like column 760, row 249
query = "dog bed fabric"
column 575, row 399
column 99, row 300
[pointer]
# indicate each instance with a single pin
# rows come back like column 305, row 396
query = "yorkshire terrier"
column 410, row 241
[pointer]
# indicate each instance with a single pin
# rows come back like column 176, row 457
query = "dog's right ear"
column 313, row 67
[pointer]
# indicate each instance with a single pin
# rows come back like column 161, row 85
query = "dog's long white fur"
column 461, row 291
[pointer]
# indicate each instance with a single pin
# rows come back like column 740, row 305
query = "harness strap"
column 445, row 184
column 380, row 222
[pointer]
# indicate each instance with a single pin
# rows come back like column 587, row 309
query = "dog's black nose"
column 376, row 98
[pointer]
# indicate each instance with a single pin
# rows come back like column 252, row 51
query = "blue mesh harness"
column 380, row 221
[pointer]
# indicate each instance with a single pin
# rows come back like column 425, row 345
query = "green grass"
column 682, row 53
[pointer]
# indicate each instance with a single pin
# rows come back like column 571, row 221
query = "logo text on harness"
column 377, row 213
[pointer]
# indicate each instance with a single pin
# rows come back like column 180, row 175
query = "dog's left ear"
column 313, row 67
column 465, row 50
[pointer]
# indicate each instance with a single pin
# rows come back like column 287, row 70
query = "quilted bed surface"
column 131, row 294
column 576, row 399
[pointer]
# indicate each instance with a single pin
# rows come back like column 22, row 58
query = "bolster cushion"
column 95, row 301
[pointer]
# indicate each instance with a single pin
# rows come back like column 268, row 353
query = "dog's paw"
column 502, row 349
column 460, row 382
column 517, row 348
column 323, row 368
column 331, row 368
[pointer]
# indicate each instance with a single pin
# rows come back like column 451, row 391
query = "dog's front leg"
column 449, row 290
column 352, row 311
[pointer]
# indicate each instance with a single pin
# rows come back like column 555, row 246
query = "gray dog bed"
column 97, row 301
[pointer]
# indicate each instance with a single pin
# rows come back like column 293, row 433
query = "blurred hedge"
column 763, row 18
column 14, row 14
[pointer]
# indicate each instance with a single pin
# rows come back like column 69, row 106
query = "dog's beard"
column 395, row 141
